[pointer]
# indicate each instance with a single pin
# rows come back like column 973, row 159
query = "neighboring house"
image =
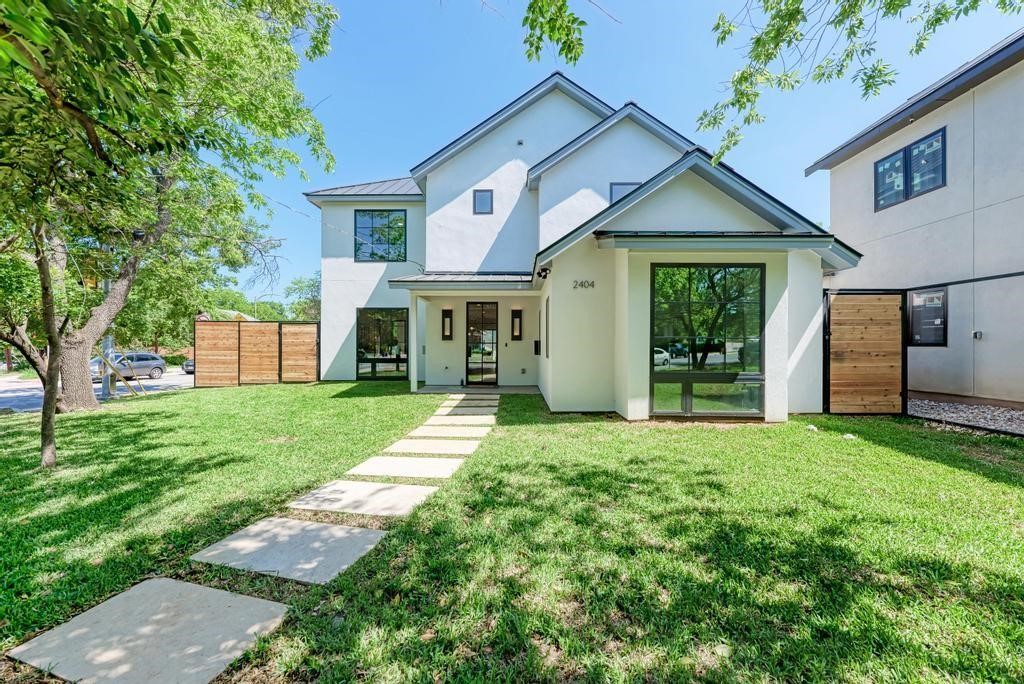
column 933, row 195
column 593, row 252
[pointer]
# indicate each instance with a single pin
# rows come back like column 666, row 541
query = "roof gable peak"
column 556, row 81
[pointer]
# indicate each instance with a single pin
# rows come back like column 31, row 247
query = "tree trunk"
column 76, row 376
column 48, row 422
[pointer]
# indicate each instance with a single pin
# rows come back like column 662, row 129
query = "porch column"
column 413, row 350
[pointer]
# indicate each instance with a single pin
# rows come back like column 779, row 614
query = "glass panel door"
column 482, row 343
column 382, row 338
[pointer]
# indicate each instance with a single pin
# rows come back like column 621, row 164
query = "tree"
column 785, row 44
column 304, row 295
column 109, row 113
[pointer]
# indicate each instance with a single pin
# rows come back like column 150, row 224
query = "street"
column 27, row 395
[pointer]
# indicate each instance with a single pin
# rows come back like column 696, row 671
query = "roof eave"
column 931, row 98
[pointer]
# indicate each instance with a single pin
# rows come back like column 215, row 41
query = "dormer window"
column 617, row 191
column 483, row 201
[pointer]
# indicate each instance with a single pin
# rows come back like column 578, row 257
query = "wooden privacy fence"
column 865, row 352
column 256, row 353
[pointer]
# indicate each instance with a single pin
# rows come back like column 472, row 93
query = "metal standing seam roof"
column 393, row 186
column 993, row 61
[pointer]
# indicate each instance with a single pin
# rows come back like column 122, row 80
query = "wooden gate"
column 256, row 353
column 865, row 352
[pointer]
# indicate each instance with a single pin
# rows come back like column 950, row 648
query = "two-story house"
column 592, row 252
column 932, row 194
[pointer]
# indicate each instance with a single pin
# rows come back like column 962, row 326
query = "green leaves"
column 551, row 21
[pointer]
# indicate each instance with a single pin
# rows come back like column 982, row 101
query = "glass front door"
column 482, row 343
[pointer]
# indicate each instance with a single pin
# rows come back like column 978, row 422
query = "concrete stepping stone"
column 367, row 498
column 407, row 466
column 480, row 397
column 467, row 411
column 453, row 447
column 310, row 552
column 161, row 630
column 462, row 431
column 466, row 403
column 460, row 420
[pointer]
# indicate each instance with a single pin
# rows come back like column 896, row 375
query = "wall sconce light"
column 446, row 324
column 517, row 324
column 543, row 273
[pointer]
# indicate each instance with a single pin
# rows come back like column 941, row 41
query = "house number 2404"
column 582, row 284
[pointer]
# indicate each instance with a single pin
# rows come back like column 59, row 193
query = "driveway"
column 27, row 395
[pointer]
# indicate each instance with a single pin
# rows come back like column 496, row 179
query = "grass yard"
column 567, row 547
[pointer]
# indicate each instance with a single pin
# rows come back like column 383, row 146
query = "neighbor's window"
column 483, row 201
column 617, row 191
column 916, row 169
column 928, row 318
column 707, row 324
column 380, row 235
column 382, row 339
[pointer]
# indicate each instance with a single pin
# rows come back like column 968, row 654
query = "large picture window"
column 707, row 326
column 916, row 169
column 382, row 344
column 380, row 235
column 928, row 318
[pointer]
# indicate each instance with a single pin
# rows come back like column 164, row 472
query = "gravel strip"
column 993, row 417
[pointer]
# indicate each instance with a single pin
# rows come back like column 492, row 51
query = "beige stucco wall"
column 972, row 228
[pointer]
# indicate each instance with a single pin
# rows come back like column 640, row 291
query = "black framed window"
column 928, row 322
column 918, row 168
column 517, row 324
column 382, row 343
column 447, row 324
column 380, row 235
column 617, row 191
column 483, row 201
column 707, row 339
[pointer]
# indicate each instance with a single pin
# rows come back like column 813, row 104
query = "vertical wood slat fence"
column 865, row 352
column 230, row 353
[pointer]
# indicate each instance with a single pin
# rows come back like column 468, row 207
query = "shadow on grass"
column 586, row 566
column 368, row 388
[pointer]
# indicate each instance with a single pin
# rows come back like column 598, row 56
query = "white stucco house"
column 592, row 252
column 932, row 194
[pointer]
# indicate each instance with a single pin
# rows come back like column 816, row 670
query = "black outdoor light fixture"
column 446, row 324
column 543, row 273
column 517, row 324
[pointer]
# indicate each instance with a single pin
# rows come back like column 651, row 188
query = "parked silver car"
column 131, row 365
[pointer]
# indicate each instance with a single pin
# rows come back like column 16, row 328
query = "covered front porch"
column 481, row 332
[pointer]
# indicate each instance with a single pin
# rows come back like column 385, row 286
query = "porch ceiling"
column 465, row 283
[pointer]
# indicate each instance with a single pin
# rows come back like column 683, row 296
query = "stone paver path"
column 161, row 630
column 461, row 431
column 452, row 447
column 407, row 466
column 305, row 551
column 365, row 498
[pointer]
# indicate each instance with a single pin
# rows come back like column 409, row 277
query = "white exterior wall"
column 970, row 228
column 805, row 332
column 689, row 203
column 599, row 364
column 347, row 285
column 446, row 359
column 458, row 239
column 576, row 188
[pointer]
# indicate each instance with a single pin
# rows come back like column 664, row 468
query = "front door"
column 481, row 343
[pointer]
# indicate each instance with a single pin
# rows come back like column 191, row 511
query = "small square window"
column 483, row 201
column 617, row 191
column 928, row 318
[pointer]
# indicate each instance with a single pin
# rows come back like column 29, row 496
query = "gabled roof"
column 391, row 189
column 993, row 61
column 556, row 81
column 631, row 111
column 719, row 175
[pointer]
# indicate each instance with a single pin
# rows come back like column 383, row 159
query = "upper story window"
column 916, row 169
column 380, row 235
column 483, row 201
column 617, row 191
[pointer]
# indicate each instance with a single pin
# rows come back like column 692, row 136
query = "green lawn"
column 567, row 547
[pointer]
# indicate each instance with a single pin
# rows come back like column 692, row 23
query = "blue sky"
column 406, row 76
